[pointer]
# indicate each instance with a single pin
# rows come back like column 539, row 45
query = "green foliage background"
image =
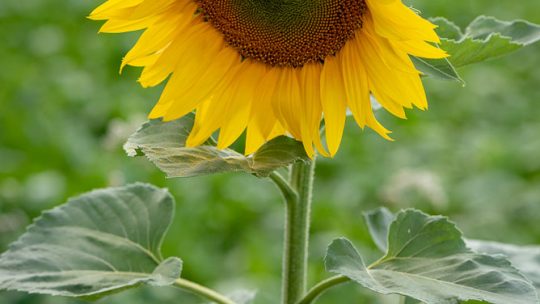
column 65, row 112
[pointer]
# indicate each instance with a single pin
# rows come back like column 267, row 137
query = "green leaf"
column 437, row 68
column 447, row 29
column 98, row 243
column 519, row 31
column 378, row 222
column 163, row 143
column 440, row 68
column 484, row 38
column 469, row 50
column 427, row 259
column 524, row 258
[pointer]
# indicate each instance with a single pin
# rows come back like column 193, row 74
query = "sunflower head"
column 285, row 33
column 276, row 67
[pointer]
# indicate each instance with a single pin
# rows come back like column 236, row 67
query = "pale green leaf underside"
column 427, row 259
column 97, row 243
column 524, row 258
column 163, row 143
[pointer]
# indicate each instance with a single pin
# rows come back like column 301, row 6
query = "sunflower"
column 276, row 67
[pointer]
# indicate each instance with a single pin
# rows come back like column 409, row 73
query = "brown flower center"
column 285, row 32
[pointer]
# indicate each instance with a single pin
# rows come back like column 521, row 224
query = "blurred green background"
column 65, row 113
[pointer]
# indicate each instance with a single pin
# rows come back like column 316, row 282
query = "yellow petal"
column 333, row 100
column 396, row 21
column 181, row 97
column 237, row 113
column 209, row 115
column 285, row 100
column 311, row 111
column 108, row 8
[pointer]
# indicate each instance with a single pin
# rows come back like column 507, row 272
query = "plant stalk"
column 320, row 288
column 202, row 291
column 289, row 194
column 297, row 221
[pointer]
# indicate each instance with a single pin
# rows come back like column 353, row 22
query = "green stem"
column 289, row 194
column 297, row 222
column 318, row 289
column 202, row 291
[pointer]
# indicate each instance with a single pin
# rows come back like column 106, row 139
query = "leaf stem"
column 318, row 289
column 288, row 192
column 202, row 291
column 295, row 252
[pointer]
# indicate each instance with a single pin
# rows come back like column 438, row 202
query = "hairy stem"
column 202, row 291
column 297, row 222
column 289, row 194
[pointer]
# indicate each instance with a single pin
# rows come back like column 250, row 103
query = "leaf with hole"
column 98, row 243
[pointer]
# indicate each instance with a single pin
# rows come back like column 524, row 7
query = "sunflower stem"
column 297, row 221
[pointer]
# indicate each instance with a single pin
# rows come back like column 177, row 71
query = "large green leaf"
column 163, row 143
column 524, row 258
column 97, row 243
column 484, row 38
column 427, row 259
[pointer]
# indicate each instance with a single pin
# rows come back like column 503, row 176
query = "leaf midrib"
column 113, row 236
column 368, row 270
column 94, row 272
